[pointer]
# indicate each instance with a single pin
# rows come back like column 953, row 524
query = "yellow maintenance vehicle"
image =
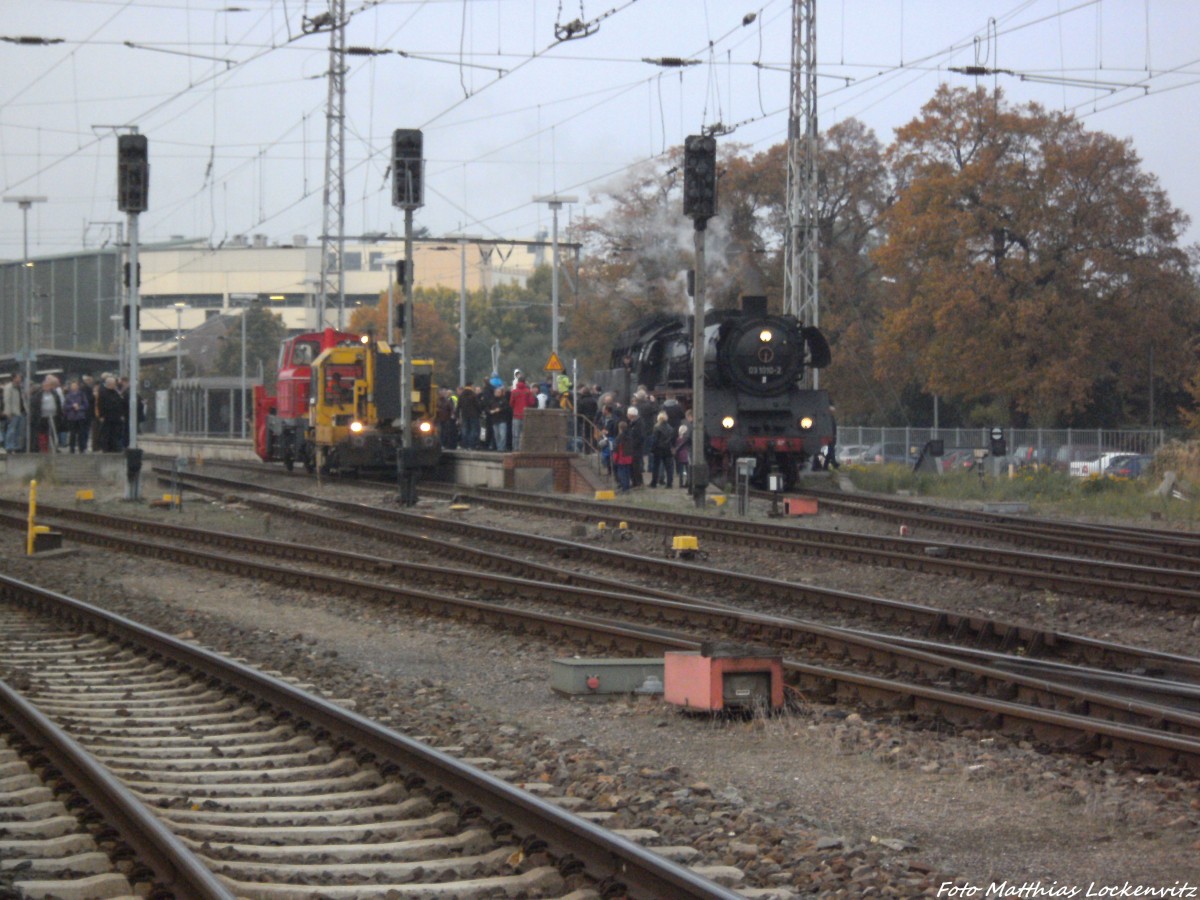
column 354, row 412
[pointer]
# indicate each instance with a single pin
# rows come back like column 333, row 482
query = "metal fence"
column 1040, row 445
column 219, row 407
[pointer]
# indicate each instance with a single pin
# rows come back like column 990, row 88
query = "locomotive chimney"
column 754, row 304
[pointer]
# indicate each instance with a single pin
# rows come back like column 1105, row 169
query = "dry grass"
column 1182, row 458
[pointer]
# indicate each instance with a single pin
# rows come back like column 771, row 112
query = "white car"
column 852, row 454
column 1089, row 467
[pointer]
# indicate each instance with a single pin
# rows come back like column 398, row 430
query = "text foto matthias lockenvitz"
column 1034, row 889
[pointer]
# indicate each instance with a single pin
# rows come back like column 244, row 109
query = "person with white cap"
column 683, row 448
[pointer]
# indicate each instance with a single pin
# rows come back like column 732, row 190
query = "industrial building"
column 77, row 298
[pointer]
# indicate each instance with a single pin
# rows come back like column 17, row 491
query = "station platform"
column 546, row 472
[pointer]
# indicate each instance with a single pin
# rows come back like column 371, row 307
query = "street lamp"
column 25, row 202
column 463, row 240
column 179, row 308
column 555, row 201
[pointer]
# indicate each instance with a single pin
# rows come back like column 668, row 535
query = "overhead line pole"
column 801, row 259
column 334, row 195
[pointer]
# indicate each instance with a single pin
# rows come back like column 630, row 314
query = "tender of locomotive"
column 755, row 402
column 352, row 407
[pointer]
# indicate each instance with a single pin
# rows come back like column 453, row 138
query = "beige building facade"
column 185, row 283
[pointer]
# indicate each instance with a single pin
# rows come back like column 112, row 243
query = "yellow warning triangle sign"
column 554, row 364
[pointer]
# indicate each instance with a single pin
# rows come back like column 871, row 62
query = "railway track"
column 1157, row 547
column 464, row 542
column 1173, row 588
column 67, row 829
column 962, row 691
column 278, row 793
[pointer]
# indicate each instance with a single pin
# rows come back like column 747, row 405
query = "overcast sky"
column 232, row 93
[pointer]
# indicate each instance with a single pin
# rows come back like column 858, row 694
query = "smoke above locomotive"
column 755, row 364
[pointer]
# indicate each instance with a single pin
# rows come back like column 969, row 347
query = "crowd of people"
column 643, row 437
column 89, row 413
column 491, row 415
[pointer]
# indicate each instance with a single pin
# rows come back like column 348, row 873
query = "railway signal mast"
column 133, row 194
column 408, row 193
column 699, row 204
column 800, row 251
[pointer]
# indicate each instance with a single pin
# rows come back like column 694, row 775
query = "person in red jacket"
column 522, row 399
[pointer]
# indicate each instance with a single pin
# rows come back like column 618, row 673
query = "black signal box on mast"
column 133, row 173
column 408, row 168
column 700, row 177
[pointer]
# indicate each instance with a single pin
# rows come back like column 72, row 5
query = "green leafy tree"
column 264, row 333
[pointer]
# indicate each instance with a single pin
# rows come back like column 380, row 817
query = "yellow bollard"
column 32, row 513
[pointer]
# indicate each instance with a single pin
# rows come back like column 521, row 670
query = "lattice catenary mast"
column 800, row 252
column 333, row 220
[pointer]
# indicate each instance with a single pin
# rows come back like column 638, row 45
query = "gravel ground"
column 823, row 800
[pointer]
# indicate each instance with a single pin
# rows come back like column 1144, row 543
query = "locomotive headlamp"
column 356, row 427
column 765, row 335
column 727, row 423
column 366, row 339
column 806, row 422
column 425, row 427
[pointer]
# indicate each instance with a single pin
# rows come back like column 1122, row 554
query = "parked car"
column 1029, row 455
column 890, row 453
column 958, row 459
column 852, row 454
column 1085, row 468
column 1134, row 466
column 1065, row 455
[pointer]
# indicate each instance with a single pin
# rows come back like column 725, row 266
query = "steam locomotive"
column 755, row 404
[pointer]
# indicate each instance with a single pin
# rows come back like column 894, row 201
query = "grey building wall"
column 74, row 297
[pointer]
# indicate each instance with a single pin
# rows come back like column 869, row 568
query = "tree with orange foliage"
column 433, row 337
column 1036, row 267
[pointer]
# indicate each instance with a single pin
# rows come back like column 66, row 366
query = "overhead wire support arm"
column 670, row 62
column 1111, row 86
column 574, row 29
column 31, row 40
column 579, row 28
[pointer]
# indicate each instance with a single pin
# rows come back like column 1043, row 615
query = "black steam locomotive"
column 754, row 366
